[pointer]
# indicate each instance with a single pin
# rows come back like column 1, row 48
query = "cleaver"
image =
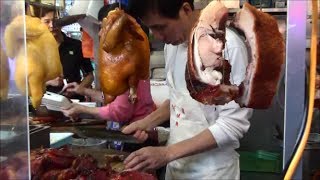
column 99, row 132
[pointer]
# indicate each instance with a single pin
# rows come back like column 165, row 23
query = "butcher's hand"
column 74, row 88
column 147, row 159
column 73, row 111
column 138, row 129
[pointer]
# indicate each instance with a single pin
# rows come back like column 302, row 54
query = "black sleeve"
column 85, row 63
column 86, row 66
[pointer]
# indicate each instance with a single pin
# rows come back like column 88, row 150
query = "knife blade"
column 87, row 122
column 103, row 133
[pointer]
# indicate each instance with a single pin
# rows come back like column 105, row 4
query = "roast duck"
column 208, row 73
column 62, row 164
column 39, row 62
column 124, row 55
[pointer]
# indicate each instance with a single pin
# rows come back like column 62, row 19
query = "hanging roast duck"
column 124, row 55
column 38, row 60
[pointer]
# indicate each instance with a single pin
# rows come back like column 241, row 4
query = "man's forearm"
column 94, row 94
column 160, row 115
column 87, row 80
column 197, row 144
column 94, row 111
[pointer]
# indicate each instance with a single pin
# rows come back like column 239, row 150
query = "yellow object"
column 39, row 62
column 4, row 74
column 313, row 64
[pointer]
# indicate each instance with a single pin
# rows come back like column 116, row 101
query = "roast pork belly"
column 208, row 73
column 267, row 53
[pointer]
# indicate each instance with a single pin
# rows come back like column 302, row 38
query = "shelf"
column 267, row 10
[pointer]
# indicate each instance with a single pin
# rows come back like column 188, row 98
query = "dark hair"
column 165, row 8
column 40, row 12
column 103, row 12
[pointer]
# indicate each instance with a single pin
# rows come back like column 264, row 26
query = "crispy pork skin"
column 267, row 53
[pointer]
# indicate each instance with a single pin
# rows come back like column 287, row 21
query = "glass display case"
column 14, row 129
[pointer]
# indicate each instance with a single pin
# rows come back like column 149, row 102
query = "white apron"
column 187, row 119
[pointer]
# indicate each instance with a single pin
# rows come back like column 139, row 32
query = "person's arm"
column 157, row 117
column 56, row 82
column 151, row 158
column 120, row 110
column 86, row 68
column 76, row 88
column 232, row 124
column 94, row 111
column 160, row 115
column 197, row 144
column 74, row 110
column 139, row 128
column 228, row 129
column 94, row 94
column 87, row 80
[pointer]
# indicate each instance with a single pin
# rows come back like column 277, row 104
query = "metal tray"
column 12, row 137
column 40, row 137
column 9, row 134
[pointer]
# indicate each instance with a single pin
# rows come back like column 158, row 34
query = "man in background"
column 76, row 68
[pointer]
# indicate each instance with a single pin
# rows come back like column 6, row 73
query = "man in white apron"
column 203, row 138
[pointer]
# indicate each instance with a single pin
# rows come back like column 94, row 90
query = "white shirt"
column 227, row 123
